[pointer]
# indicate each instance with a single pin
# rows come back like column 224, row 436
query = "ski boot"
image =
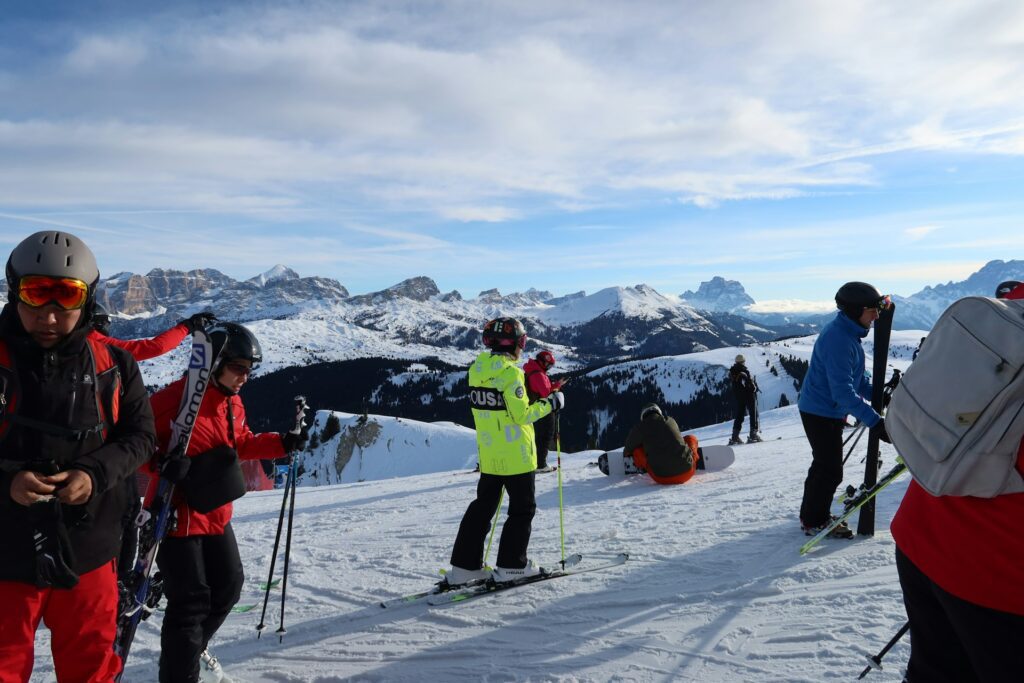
column 755, row 437
column 841, row 531
column 210, row 670
column 457, row 576
column 736, row 440
column 503, row 574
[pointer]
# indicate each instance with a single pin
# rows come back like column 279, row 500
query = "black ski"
column 883, row 331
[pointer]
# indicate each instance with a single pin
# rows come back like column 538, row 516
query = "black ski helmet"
column 101, row 319
column 1005, row 288
column 504, row 335
column 56, row 254
column 648, row 409
column 853, row 297
column 232, row 341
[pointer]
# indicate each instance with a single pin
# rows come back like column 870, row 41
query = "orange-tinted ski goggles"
column 40, row 290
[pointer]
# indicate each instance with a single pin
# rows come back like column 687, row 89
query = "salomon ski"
column 139, row 592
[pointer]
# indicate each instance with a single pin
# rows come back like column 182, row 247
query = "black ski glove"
column 198, row 321
column 53, row 554
column 294, row 442
column 175, row 468
column 879, row 431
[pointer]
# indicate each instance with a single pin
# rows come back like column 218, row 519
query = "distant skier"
column 75, row 426
column 961, row 567
column 836, row 385
column 199, row 560
column 144, row 349
column 658, row 446
column 744, row 391
column 540, row 386
column 504, row 419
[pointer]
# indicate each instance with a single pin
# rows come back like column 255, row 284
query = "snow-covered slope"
column 715, row 589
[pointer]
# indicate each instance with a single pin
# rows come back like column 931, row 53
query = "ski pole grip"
column 300, row 414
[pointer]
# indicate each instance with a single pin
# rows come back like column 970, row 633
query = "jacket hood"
column 493, row 364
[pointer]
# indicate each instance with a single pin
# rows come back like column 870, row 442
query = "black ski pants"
column 955, row 641
column 744, row 404
column 825, row 435
column 468, row 552
column 543, row 430
column 202, row 581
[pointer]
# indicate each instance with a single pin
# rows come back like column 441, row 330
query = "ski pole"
column 859, row 432
column 494, row 524
column 561, row 509
column 856, row 430
column 289, row 484
column 273, row 555
column 876, row 661
column 287, row 554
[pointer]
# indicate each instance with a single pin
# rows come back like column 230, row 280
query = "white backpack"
column 957, row 416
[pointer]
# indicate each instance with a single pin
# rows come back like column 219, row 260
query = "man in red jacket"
column 199, row 560
column 961, row 566
column 144, row 349
column 540, row 386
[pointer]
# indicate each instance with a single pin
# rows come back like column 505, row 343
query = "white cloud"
column 920, row 231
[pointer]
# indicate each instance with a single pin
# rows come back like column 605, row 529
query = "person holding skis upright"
column 504, row 419
column 198, row 561
column 960, row 561
column 744, row 391
column 74, row 427
column 837, row 385
column 144, row 349
column 538, row 386
column 658, row 447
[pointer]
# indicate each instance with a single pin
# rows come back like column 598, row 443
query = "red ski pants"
column 640, row 459
column 82, row 623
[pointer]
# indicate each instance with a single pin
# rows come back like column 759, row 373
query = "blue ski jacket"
column 837, row 384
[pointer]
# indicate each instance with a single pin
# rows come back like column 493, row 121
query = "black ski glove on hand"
column 879, row 431
column 198, row 321
column 175, row 469
column 294, row 442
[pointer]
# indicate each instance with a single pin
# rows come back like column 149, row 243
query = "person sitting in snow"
column 539, row 386
column 503, row 418
column 658, row 447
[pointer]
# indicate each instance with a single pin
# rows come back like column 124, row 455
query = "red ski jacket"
column 538, row 384
column 144, row 349
column 210, row 430
column 971, row 547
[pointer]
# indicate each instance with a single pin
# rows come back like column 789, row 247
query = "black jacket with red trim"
column 57, row 387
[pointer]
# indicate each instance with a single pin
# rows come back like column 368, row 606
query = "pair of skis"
column 442, row 594
column 139, row 593
column 855, row 501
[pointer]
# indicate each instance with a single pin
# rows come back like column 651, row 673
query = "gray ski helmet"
column 100, row 319
column 53, row 253
column 232, row 341
column 853, row 297
column 648, row 409
column 1005, row 288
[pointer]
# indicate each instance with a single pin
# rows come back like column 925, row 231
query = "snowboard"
column 713, row 459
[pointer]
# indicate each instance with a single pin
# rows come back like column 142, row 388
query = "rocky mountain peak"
column 719, row 295
column 278, row 272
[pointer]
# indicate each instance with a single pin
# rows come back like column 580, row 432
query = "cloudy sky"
column 561, row 145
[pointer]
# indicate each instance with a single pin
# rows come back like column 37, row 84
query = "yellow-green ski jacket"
column 503, row 415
